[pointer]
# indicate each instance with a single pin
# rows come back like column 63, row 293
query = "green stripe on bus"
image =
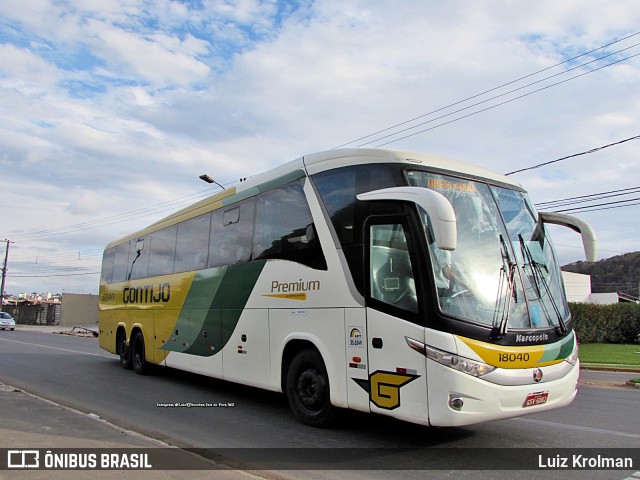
column 558, row 350
column 212, row 308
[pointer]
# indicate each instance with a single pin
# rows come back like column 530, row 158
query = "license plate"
column 534, row 399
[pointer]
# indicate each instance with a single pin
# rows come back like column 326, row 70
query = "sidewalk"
column 30, row 422
column 63, row 329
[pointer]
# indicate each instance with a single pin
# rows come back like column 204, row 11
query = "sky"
column 111, row 109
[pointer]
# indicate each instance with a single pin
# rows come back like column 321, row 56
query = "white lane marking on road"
column 56, row 348
column 579, row 427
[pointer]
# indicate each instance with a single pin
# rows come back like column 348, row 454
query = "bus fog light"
column 456, row 403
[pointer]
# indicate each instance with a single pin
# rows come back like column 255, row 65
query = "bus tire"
column 307, row 390
column 140, row 364
column 123, row 350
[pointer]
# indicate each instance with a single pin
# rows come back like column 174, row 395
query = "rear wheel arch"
column 292, row 348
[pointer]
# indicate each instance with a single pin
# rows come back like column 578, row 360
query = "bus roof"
column 310, row 165
column 328, row 160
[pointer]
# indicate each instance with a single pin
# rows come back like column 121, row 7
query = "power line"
column 496, row 97
column 587, row 198
column 581, row 199
column 488, row 91
column 574, row 155
column 78, row 254
column 105, row 221
column 56, row 275
column 582, row 248
column 593, row 208
column 55, row 268
column 502, row 103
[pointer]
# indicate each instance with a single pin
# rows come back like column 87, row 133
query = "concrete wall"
column 39, row 314
column 577, row 286
column 603, row 298
column 79, row 309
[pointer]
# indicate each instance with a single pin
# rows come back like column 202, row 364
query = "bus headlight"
column 462, row 364
column 573, row 358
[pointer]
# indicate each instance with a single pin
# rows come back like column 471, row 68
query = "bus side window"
column 231, row 234
column 391, row 273
column 192, row 244
column 162, row 251
column 107, row 264
column 139, row 262
column 121, row 263
column 284, row 228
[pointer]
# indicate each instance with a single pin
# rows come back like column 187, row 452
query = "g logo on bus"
column 384, row 387
column 537, row 375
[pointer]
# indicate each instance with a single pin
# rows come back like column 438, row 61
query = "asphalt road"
column 75, row 372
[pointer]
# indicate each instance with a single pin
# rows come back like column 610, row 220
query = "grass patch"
column 609, row 354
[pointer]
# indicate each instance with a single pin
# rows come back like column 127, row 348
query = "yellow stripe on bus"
column 516, row 357
column 288, row 296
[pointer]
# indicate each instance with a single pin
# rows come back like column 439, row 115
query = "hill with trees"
column 616, row 274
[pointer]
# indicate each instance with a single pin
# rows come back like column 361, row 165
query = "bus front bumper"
column 457, row 399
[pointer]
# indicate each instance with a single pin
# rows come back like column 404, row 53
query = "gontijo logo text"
column 160, row 293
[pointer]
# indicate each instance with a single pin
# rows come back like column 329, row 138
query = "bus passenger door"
column 397, row 374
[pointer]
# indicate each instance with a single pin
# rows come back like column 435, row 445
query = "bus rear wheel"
column 307, row 390
column 123, row 350
column 140, row 364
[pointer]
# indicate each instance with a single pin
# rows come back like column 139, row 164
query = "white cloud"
column 25, row 71
column 157, row 60
column 86, row 203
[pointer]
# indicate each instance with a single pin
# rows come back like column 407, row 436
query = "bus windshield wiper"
column 506, row 284
column 538, row 280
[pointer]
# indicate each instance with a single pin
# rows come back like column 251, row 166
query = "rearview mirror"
column 443, row 218
column 589, row 238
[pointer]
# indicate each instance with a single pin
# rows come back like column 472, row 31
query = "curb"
column 609, row 368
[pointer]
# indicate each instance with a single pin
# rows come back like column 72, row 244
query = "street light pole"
column 4, row 269
column 206, row 178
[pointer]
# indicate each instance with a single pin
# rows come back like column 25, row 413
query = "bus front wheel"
column 307, row 390
column 140, row 364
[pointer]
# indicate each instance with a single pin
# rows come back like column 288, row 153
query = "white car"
column 7, row 321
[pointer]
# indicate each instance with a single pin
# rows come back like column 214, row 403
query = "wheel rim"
column 310, row 390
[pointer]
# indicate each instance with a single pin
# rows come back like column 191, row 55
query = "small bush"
column 617, row 323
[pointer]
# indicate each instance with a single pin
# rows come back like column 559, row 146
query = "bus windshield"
column 503, row 272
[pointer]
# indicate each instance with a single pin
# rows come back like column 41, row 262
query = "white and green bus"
column 383, row 281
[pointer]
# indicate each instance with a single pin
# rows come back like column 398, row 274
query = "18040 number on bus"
column 513, row 357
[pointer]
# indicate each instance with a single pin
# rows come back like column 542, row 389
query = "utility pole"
column 4, row 269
